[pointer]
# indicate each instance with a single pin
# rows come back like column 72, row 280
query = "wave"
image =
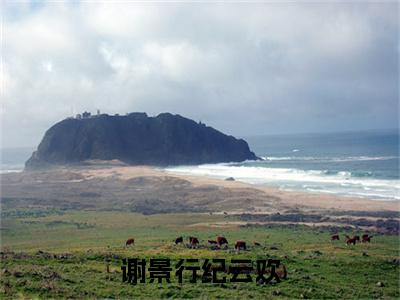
column 328, row 159
column 6, row 171
column 342, row 182
column 348, row 174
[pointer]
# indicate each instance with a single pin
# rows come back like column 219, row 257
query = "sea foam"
column 324, row 181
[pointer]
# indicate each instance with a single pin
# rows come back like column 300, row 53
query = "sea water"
column 357, row 164
column 13, row 159
column 360, row 164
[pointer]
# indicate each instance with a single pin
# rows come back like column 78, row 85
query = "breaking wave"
column 327, row 159
column 359, row 184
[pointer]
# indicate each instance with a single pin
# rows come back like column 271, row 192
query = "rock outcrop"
column 137, row 139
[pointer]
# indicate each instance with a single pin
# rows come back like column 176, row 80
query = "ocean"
column 357, row 164
column 13, row 159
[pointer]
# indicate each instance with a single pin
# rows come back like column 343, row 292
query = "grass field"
column 64, row 254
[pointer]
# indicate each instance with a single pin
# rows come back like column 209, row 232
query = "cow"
column 357, row 238
column 350, row 240
column 257, row 244
column 194, row 241
column 212, row 242
column 335, row 237
column 178, row 240
column 240, row 245
column 221, row 240
column 130, row 242
column 366, row 238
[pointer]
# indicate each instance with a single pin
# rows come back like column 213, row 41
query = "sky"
column 245, row 68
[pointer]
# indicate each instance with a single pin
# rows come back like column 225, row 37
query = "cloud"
column 244, row 68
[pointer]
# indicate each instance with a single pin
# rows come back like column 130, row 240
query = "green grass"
column 317, row 268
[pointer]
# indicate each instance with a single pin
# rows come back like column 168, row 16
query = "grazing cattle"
column 350, row 240
column 240, row 245
column 356, row 237
column 221, row 241
column 335, row 237
column 194, row 241
column 130, row 242
column 212, row 242
column 178, row 240
column 257, row 244
column 366, row 238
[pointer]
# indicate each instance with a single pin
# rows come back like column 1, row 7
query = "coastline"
column 147, row 190
column 287, row 199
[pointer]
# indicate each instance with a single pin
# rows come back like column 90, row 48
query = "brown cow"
column 178, row 240
column 194, row 241
column 350, row 240
column 356, row 237
column 221, row 240
column 366, row 238
column 240, row 245
column 130, row 242
column 335, row 237
column 212, row 242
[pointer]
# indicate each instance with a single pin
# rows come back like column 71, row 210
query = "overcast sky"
column 243, row 68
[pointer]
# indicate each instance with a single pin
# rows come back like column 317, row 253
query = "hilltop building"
column 86, row 115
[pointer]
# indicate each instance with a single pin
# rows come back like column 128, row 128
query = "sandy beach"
column 286, row 199
column 150, row 190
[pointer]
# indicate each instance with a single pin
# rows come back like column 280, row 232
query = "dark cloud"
column 244, row 68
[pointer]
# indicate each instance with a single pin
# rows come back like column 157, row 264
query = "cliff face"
column 138, row 140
